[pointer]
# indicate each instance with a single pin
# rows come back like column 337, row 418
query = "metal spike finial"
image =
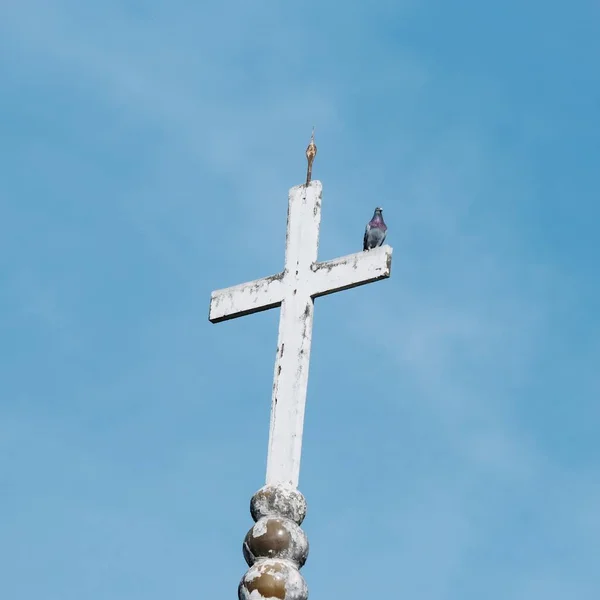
column 311, row 152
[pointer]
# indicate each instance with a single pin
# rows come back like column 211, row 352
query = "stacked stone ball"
column 275, row 548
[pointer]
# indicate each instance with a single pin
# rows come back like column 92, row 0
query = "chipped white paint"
column 275, row 573
column 286, row 540
column 260, row 527
column 302, row 280
column 278, row 500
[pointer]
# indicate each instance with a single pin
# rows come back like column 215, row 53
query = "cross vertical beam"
column 290, row 380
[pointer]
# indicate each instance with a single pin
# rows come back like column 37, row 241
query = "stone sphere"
column 276, row 537
column 268, row 579
column 280, row 501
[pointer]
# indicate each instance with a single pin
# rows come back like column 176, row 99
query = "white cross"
column 302, row 280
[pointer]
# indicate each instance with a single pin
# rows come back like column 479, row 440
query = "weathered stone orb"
column 278, row 500
column 272, row 578
column 276, row 537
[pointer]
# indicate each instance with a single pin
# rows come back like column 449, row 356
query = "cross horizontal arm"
column 246, row 298
column 351, row 271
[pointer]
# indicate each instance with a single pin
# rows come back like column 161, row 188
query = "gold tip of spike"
column 311, row 152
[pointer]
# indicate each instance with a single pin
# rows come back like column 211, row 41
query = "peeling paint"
column 273, row 579
column 278, row 500
column 260, row 528
column 276, row 537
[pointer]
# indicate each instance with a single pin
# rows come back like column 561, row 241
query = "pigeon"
column 375, row 232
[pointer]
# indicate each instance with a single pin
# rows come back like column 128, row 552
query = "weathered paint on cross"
column 294, row 289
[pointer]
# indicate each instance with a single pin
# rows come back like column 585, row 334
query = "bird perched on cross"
column 375, row 231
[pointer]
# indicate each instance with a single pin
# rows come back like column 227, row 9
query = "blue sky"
column 451, row 447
